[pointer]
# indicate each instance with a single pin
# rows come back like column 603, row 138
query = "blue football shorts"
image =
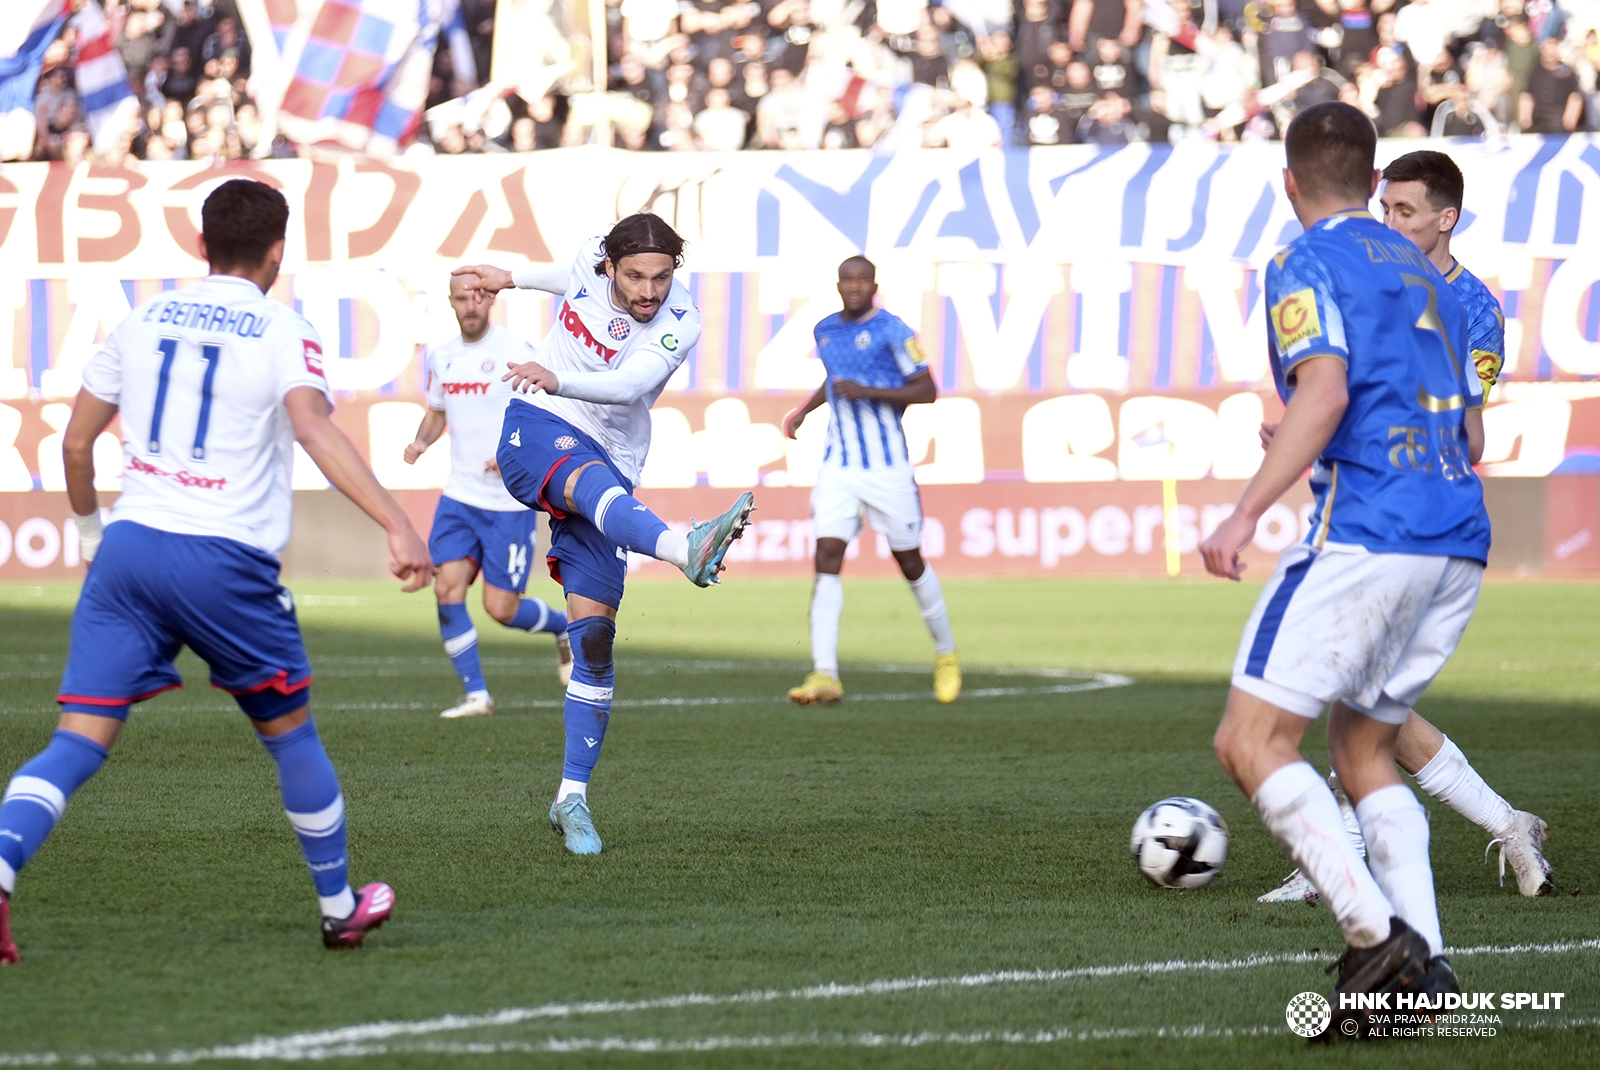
column 538, row 452
column 498, row 542
column 149, row 593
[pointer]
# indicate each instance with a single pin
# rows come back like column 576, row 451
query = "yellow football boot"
column 947, row 677
column 820, row 687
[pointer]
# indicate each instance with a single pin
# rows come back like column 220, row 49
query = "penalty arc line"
column 369, row 1038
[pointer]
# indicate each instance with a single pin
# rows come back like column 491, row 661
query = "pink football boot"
column 8, row 946
column 374, row 904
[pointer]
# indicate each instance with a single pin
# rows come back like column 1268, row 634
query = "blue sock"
column 36, row 796
column 621, row 517
column 461, row 643
column 537, row 615
column 588, row 706
column 315, row 808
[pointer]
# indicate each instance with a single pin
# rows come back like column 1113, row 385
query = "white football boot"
column 1524, row 847
column 471, row 706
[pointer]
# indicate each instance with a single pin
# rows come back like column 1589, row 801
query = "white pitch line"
column 371, row 1038
column 1086, row 681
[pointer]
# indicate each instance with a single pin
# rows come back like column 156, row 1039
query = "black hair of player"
column 872, row 269
column 1330, row 149
column 642, row 232
column 241, row 220
column 1437, row 172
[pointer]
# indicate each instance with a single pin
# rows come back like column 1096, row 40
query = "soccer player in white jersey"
column 214, row 384
column 573, row 444
column 874, row 370
column 1421, row 197
column 1367, row 344
column 478, row 527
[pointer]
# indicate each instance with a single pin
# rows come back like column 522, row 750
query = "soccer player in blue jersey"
column 1366, row 341
column 478, row 526
column 874, row 371
column 214, row 384
column 1421, row 197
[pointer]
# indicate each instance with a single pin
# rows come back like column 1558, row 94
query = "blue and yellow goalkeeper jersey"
column 1396, row 477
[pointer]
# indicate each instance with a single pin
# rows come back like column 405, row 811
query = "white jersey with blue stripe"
column 199, row 377
column 878, row 351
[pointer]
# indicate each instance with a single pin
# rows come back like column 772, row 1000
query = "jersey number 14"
column 211, row 355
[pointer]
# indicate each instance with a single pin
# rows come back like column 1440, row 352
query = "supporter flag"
column 360, row 75
column 102, row 78
column 23, row 40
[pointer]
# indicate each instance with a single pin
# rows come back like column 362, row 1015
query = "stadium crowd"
column 733, row 74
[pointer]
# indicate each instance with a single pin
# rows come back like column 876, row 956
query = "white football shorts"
column 886, row 496
column 1370, row 630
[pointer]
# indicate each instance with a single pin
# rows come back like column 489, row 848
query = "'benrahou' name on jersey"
column 880, row 351
column 1395, row 477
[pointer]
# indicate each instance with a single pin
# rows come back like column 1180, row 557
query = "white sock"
column 930, row 597
column 1301, row 813
column 1396, row 827
column 338, row 906
column 827, row 602
column 1450, row 778
column 471, row 695
column 572, row 787
column 1352, row 823
column 673, row 548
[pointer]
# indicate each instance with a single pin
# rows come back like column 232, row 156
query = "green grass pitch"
column 757, row 854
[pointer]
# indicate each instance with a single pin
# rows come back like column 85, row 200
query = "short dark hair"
column 1437, row 172
column 642, row 232
column 872, row 269
column 1330, row 149
column 241, row 220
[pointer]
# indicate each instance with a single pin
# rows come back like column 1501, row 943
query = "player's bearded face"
column 640, row 282
column 471, row 308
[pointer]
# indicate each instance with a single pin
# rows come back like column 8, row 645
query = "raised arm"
column 339, row 461
column 551, row 278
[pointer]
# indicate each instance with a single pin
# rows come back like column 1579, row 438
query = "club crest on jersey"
column 1295, row 319
column 487, row 366
column 566, row 442
column 864, row 339
column 618, row 328
column 575, row 326
column 313, row 355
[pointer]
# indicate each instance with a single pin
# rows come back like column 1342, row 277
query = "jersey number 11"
column 211, row 354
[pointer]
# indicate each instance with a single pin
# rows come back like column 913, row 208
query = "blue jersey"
column 1395, row 477
column 880, row 351
column 1486, row 335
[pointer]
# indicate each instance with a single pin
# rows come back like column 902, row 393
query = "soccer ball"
column 1180, row 843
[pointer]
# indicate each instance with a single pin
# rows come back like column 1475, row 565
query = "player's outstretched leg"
column 33, row 803
column 594, row 489
column 586, row 713
column 1443, row 771
column 930, row 600
column 315, row 808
